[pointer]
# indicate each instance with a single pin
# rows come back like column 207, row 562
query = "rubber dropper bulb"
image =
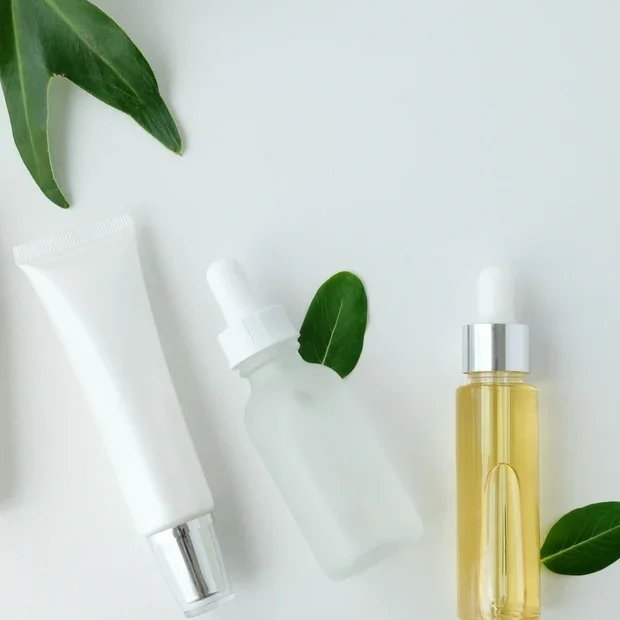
column 232, row 290
column 495, row 297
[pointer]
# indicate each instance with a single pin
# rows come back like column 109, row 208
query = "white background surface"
column 412, row 142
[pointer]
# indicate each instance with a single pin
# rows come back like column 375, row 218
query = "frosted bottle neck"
column 496, row 378
column 271, row 361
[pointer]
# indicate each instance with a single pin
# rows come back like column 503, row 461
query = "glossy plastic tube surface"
column 90, row 282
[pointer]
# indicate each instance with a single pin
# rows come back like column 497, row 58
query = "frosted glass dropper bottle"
column 497, row 464
column 312, row 436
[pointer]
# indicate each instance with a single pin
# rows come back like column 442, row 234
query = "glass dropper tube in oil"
column 498, row 522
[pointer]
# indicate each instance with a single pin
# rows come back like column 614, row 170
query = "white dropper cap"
column 253, row 326
column 495, row 342
column 495, row 297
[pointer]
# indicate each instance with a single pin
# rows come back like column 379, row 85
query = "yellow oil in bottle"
column 497, row 498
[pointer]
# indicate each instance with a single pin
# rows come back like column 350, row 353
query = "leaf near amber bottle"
column 333, row 331
column 584, row 541
column 40, row 39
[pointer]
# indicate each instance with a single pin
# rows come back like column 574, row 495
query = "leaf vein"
column 332, row 332
column 71, row 25
column 579, row 544
column 22, row 83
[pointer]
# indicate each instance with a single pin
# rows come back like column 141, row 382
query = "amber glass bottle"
column 497, row 466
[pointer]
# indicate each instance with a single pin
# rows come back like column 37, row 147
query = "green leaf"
column 584, row 541
column 74, row 39
column 333, row 331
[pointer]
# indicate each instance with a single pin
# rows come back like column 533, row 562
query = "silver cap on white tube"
column 190, row 559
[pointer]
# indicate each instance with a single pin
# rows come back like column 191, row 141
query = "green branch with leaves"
column 43, row 39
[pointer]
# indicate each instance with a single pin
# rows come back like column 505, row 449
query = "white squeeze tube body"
column 90, row 282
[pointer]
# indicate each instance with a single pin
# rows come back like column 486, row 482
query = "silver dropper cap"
column 190, row 559
column 496, row 342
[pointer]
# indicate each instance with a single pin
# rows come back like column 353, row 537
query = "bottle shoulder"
column 513, row 387
column 481, row 395
column 295, row 373
column 285, row 380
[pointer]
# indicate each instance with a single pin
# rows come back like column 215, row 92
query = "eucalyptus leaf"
column 584, row 541
column 40, row 39
column 333, row 331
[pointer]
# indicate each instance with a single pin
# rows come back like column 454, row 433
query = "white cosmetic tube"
column 90, row 282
